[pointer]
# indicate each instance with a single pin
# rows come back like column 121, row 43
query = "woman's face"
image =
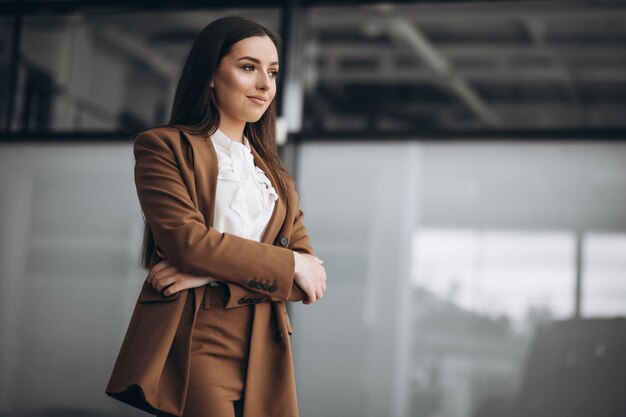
column 248, row 71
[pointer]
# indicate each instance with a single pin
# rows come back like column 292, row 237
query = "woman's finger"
column 164, row 282
column 162, row 264
column 187, row 281
column 319, row 293
column 164, row 273
column 157, row 268
column 174, row 288
column 167, row 271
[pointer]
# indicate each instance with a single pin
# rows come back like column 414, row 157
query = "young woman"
column 224, row 242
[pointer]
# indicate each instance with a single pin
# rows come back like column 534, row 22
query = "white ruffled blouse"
column 245, row 196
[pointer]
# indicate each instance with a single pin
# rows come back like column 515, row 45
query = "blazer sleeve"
column 180, row 230
column 300, row 242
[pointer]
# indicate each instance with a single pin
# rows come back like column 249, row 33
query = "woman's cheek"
column 239, row 82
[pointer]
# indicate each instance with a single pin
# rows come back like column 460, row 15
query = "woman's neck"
column 234, row 131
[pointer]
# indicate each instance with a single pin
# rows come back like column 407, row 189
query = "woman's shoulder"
column 164, row 132
column 161, row 137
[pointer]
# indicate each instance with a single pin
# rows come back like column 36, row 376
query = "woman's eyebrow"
column 256, row 60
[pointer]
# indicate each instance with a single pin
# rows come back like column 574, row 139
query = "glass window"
column 471, row 66
column 6, row 50
column 106, row 72
column 479, row 297
column 604, row 275
column 452, row 278
column 514, row 276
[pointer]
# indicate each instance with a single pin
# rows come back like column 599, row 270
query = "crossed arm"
column 299, row 241
column 192, row 247
column 241, row 296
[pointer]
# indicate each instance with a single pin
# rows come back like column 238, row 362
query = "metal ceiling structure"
column 460, row 69
column 472, row 66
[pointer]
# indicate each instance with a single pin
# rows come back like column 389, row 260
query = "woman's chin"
column 255, row 117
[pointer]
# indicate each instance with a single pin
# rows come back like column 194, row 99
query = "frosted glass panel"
column 453, row 279
column 605, row 275
column 512, row 275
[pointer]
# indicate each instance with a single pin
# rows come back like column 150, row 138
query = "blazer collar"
column 205, row 172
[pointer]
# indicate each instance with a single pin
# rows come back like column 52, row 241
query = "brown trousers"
column 219, row 352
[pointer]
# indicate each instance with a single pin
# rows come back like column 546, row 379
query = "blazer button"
column 278, row 336
column 272, row 288
column 241, row 301
column 265, row 287
column 252, row 283
column 258, row 300
column 259, row 285
column 284, row 241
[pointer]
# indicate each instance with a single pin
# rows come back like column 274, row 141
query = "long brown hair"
column 195, row 109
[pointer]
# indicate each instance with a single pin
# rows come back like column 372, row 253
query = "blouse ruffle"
column 236, row 164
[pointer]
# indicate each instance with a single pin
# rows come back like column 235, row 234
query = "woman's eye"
column 246, row 67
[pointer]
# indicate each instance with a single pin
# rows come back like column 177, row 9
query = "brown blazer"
column 176, row 179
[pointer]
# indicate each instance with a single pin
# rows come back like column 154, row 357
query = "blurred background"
column 461, row 166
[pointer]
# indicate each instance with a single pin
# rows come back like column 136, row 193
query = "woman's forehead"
column 260, row 48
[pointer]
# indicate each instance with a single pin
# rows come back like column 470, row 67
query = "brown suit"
column 176, row 179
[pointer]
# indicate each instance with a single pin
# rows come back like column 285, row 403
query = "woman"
column 224, row 239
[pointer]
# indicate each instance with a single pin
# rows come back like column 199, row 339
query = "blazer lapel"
column 204, row 161
column 205, row 172
column 280, row 210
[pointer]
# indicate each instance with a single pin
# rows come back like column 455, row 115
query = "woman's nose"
column 264, row 82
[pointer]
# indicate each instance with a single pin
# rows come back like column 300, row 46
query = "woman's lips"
column 257, row 101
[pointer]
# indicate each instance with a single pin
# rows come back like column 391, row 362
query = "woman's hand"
column 165, row 275
column 310, row 275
